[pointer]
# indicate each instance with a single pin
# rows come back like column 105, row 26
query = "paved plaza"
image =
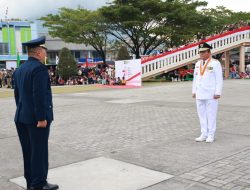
column 153, row 127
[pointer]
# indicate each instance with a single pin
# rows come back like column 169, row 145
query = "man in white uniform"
column 207, row 88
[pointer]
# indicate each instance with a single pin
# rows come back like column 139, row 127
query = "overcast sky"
column 32, row 9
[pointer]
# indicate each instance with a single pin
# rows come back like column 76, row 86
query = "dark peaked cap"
column 204, row 46
column 39, row 42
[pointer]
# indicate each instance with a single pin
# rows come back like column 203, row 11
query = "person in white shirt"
column 207, row 89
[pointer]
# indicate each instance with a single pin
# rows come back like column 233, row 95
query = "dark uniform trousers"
column 34, row 143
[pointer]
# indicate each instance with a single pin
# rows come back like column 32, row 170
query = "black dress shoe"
column 47, row 186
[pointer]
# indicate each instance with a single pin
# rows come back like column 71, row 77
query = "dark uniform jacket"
column 33, row 93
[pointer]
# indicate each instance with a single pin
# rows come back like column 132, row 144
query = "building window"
column 2, row 65
column 77, row 54
column 25, row 50
column 52, row 55
column 4, row 49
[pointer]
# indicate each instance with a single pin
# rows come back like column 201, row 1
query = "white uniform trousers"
column 207, row 112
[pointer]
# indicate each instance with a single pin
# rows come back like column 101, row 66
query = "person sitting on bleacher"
column 118, row 81
column 123, row 81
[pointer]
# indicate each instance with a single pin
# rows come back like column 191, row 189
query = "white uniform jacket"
column 210, row 83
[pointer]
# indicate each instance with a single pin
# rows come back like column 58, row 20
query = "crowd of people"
column 186, row 74
column 6, row 79
column 106, row 76
column 85, row 76
column 181, row 75
column 236, row 74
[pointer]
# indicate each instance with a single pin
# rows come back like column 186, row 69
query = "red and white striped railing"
column 183, row 56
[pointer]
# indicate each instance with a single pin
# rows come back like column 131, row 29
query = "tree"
column 123, row 54
column 147, row 24
column 67, row 65
column 220, row 16
column 223, row 17
column 79, row 26
column 240, row 16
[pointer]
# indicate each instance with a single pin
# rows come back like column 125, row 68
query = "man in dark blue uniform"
column 34, row 114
